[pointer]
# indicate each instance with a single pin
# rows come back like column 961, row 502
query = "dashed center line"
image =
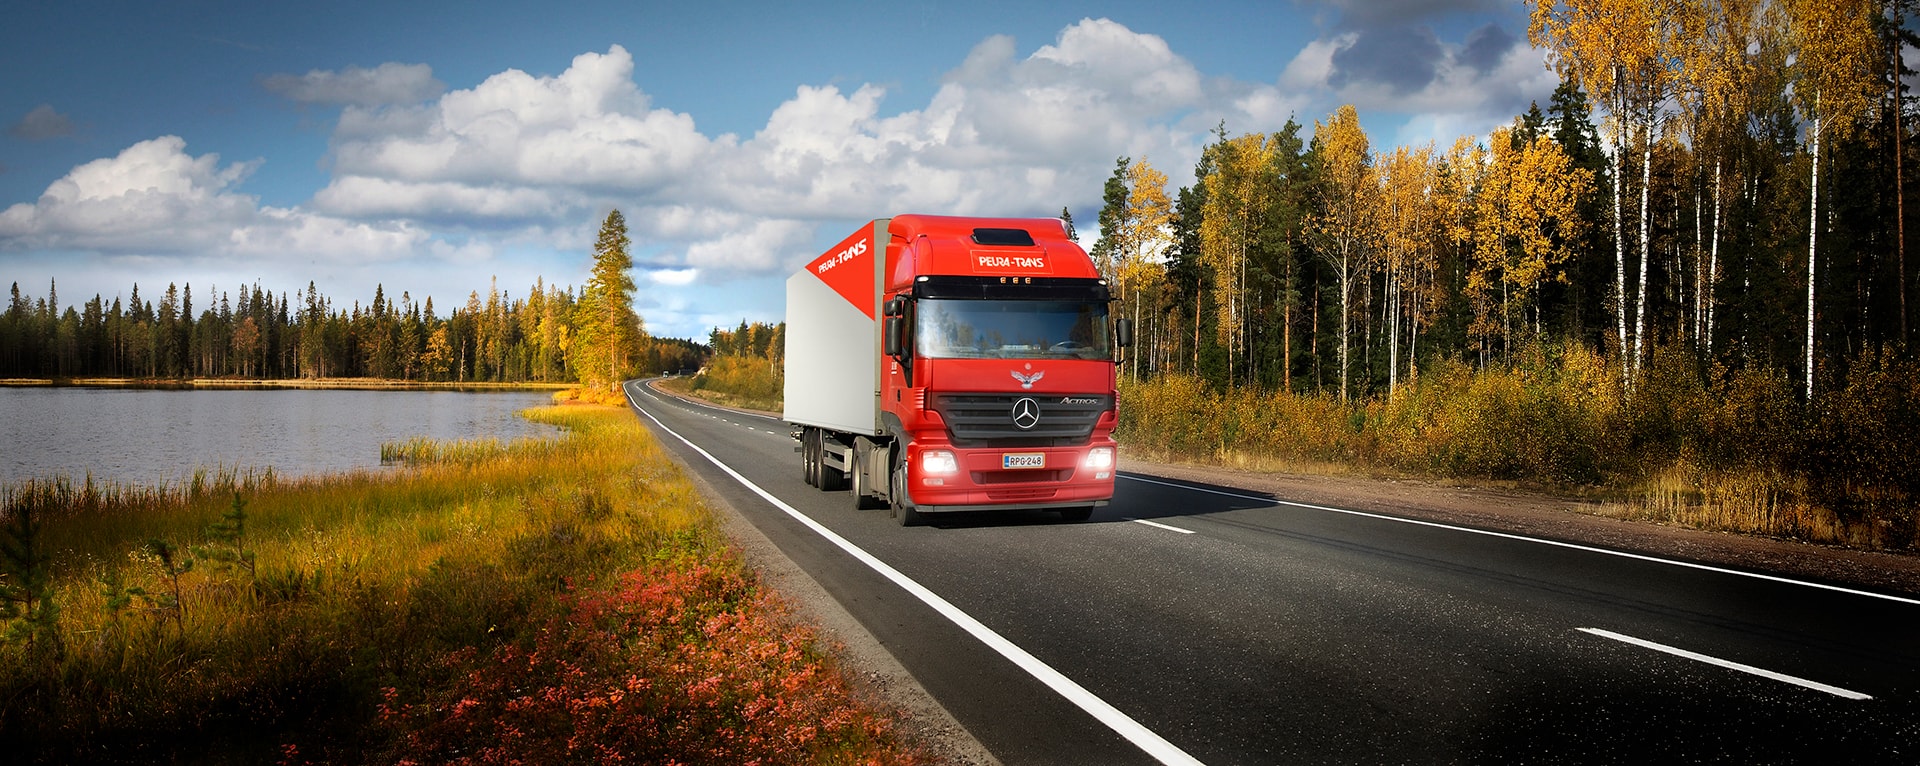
column 1163, row 750
column 1156, row 524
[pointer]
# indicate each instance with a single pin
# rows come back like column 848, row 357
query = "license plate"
column 1023, row 460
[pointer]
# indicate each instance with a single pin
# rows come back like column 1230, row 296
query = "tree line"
column 1740, row 199
column 549, row 334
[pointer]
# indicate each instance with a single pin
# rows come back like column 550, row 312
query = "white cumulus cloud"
column 1004, row 134
column 516, row 171
column 155, row 200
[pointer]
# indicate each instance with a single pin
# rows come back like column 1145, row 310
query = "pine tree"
column 1113, row 222
column 608, row 323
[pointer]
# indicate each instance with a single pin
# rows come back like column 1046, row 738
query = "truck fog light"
column 1100, row 458
column 938, row 461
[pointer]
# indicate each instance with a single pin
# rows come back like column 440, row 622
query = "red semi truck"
column 943, row 364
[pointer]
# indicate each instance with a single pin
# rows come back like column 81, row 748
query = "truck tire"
column 831, row 479
column 810, row 456
column 901, row 506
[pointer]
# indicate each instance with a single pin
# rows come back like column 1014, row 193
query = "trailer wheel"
column 902, row 507
column 809, row 456
column 831, row 478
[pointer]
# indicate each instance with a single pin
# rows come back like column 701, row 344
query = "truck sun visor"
column 1017, row 288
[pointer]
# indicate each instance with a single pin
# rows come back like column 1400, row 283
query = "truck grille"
column 987, row 420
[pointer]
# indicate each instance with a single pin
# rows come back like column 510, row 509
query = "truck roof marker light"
column 1003, row 237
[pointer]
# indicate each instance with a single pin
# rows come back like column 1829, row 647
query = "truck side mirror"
column 891, row 340
column 1123, row 332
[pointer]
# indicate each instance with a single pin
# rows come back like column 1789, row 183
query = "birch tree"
column 1241, row 185
column 1407, row 225
column 1623, row 52
column 1713, row 98
column 1527, row 215
column 1145, row 238
column 1346, row 224
column 1837, row 59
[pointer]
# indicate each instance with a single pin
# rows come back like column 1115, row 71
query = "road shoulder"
column 1556, row 518
column 874, row 671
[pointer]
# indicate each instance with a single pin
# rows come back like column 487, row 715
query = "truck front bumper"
column 1001, row 479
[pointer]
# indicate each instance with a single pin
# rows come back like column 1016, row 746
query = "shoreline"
column 258, row 384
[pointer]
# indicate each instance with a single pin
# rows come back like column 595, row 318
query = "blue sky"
column 432, row 147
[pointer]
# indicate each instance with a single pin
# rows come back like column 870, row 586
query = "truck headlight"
column 1100, row 458
column 938, row 462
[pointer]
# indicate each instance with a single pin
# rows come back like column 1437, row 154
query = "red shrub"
column 685, row 662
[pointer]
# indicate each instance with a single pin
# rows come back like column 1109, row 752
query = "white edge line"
column 1142, row 737
column 1523, row 538
column 1729, row 664
column 1167, row 527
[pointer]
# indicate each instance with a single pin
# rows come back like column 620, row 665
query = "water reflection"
column 141, row 436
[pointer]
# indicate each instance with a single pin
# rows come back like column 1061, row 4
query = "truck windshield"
column 1012, row 329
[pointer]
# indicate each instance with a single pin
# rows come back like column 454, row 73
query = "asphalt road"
column 1187, row 623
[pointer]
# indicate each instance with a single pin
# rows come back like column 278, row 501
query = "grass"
column 747, row 382
column 563, row 599
column 1707, row 448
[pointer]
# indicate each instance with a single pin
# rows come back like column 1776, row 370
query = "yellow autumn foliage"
column 1715, row 448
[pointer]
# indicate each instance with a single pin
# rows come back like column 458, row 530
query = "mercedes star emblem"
column 1026, row 413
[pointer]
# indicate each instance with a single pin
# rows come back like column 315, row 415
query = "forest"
column 1741, row 198
column 1682, row 280
column 548, row 334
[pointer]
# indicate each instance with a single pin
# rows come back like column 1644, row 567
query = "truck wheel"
column 809, row 456
column 1076, row 514
column 902, row 508
column 831, row 478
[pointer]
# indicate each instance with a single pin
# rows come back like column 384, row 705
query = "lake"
column 143, row 436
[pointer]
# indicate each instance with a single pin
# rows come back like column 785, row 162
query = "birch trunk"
column 1813, row 235
column 1620, row 249
column 1346, row 279
column 1713, row 261
column 1640, row 290
column 1393, row 333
